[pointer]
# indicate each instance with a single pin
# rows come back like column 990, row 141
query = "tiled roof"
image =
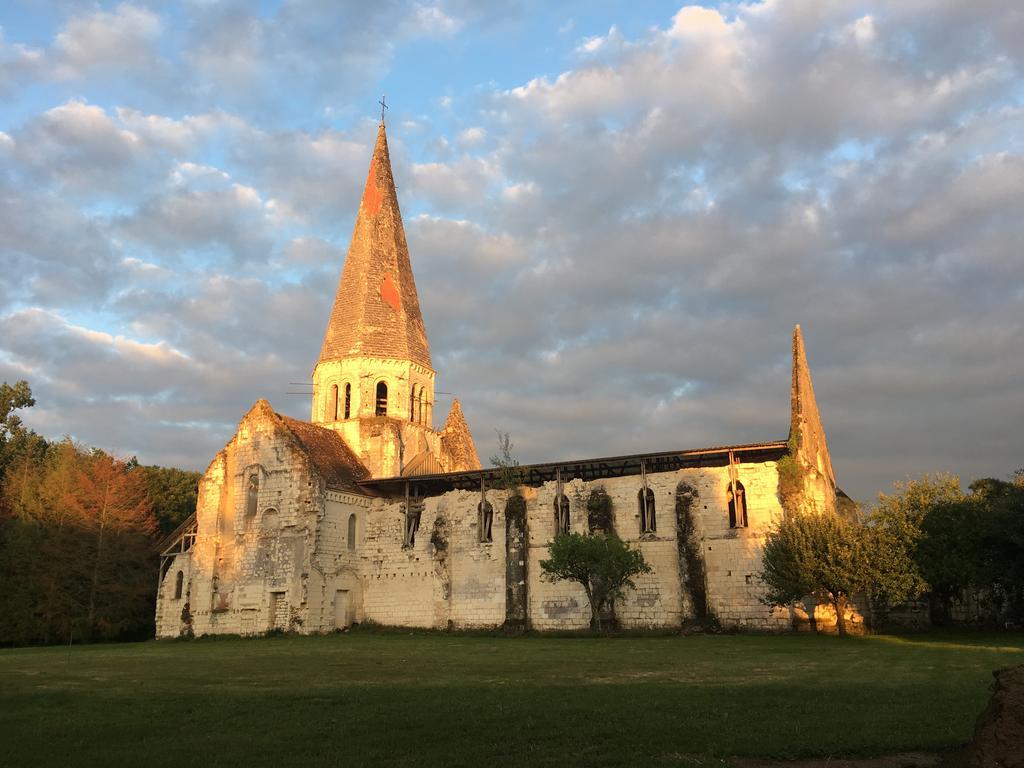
column 334, row 461
column 376, row 310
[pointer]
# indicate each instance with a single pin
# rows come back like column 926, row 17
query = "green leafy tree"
column 1001, row 565
column 814, row 554
column 950, row 552
column 913, row 499
column 893, row 534
column 15, row 438
column 603, row 564
column 172, row 494
column 891, row 572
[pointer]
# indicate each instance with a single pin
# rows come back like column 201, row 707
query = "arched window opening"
column 420, row 407
column 737, row 497
column 382, row 399
column 269, row 521
column 413, row 511
column 412, row 403
column 352, row 531
column 332, row 403
column 561, row 514
column 647, row 519
column 179, row 583
column 485, row 514
column 252, row 495
column 348, row 401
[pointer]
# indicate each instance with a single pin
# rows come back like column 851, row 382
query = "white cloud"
column 430, row 20
column 471, row 137
column 654, row 218
column 464, row 181
column 18, row 62
column 122, row 39
column 600, row 43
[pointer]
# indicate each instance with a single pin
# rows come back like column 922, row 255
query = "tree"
column 510, row 476
column 603, row 564
column 915, row 498
column 113, row 504
column 15, row 438
column 893, row 537
column 77, row 556
column 891, row 574
column 1001, row 565
column 173, row 494
column 949, row 552
column 814, row 554
column 44, row 575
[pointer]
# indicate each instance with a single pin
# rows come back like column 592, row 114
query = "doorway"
column 342, row 618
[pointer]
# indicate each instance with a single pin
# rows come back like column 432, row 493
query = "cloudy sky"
column 616, row 211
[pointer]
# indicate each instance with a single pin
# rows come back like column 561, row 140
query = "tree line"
column 79, row 530
column 962, row 553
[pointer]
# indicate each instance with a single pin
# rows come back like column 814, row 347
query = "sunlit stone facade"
column 369, row 513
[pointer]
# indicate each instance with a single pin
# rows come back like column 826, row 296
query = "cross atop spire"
column 383, row 106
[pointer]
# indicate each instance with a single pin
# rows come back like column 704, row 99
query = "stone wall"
column 732, row 557
column 246, row 565
column 295, row 566
column 375, row 439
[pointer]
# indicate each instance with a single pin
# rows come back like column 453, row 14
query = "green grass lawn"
column 434, row 699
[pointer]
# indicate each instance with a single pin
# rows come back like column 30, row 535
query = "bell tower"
column 374, row 381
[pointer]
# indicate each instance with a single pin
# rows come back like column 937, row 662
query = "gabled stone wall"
column 294, row 566
column 244, row 567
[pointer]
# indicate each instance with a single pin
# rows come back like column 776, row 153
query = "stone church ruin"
column 367, row 512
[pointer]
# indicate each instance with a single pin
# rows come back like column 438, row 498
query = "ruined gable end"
column 807, row 442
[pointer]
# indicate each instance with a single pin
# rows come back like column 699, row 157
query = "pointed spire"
column 457, row 443
column 376, row 310
column 805, row 421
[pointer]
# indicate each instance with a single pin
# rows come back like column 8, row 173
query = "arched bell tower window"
column 382, row 399
column 348, row 400
column 332, row 403
column 420, row 407
column 412, row 403
column 737, row 497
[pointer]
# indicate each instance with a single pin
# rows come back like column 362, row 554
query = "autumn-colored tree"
column 42, row 575
column 77, row 556
column 111, row 502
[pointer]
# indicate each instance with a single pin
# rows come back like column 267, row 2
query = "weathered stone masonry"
column 369, row 513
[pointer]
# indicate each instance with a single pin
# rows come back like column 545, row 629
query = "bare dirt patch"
column 999, row 733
